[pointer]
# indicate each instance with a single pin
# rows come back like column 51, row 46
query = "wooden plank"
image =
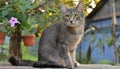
column 82, row 66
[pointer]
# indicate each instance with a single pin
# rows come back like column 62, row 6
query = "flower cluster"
column 13, row 21
column 15, row 14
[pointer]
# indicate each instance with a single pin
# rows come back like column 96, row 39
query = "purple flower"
column 13, row 21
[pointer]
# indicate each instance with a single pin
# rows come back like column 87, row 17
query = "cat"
column 58, row 43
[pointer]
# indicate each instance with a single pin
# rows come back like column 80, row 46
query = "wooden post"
column 114, row 29
column 15, row 44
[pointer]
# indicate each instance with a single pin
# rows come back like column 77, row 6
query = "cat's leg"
column 65, row 53
column 48, row 56
column 73, row 54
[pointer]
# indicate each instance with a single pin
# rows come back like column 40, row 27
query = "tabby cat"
column 58, row 43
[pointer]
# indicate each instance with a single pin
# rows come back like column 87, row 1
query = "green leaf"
column 26, row 25
column 109, row 42
column 92, row 39
column 100, row 43
column 23, row 9
column 4, row 13
column 29, row 6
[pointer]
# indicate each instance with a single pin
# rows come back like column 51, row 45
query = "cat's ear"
column 80, row 7
column 64, row 8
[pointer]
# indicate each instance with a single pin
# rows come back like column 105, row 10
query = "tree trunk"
column 114, row 24
column 15, row 44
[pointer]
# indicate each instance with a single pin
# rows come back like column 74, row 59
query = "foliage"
column 106, row 62
column 4, row 53
column 48, row 12
column 99, row 43
column 84, row 61
column 89, row 5
column 20, row 9
column 118, row 64
column 28, row 54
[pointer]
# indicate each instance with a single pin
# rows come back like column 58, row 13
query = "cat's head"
column 73, row 16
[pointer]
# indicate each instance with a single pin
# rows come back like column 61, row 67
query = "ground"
column 82, row 66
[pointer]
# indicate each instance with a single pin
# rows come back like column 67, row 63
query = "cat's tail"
column 40, row 64
column 19, row 62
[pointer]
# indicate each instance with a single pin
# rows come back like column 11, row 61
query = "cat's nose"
column 71, row 22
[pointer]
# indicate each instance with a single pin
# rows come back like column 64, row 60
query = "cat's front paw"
column 70, row 66
column 76, row 64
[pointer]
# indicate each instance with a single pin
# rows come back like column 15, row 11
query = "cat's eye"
column 67, row 16
column 76, row 15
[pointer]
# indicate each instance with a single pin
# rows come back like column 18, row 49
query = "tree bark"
column 114, row 24
column 15, row 44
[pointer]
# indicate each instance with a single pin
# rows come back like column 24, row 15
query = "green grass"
column 28, row 54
